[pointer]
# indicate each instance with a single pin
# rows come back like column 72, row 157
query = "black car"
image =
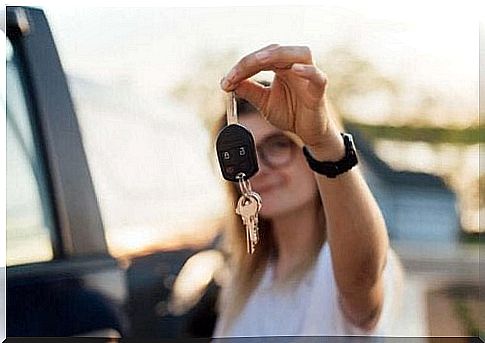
column 63, row 280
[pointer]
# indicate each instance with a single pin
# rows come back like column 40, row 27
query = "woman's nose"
column 263, row 167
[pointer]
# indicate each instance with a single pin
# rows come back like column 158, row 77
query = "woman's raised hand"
column 295, row 101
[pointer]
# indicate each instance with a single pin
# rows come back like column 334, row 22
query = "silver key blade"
column 248, row 207
column 253, row 231
column 241, row 209
column 249, row 242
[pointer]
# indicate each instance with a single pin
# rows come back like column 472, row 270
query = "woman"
column 323, row 265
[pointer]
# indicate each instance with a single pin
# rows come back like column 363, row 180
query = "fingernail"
column 231, row 74
column 298, row 67
column 262, row 55
column 225, row 84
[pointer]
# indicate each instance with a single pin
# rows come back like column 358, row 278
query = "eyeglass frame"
column 267, row 161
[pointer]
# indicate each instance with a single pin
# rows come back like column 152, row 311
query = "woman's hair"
column 243, row 270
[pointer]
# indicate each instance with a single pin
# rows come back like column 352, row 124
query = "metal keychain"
column 248, row 207
column 236, row 152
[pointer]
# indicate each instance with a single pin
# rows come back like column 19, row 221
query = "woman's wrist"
column 330, row 147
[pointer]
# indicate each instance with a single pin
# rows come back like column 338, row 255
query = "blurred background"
column 145, row 87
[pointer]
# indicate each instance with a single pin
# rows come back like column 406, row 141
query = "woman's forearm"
column 356, row 233
column 355, row 229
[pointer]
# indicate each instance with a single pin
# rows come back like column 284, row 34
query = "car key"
column 236, row 150
column 248, row 208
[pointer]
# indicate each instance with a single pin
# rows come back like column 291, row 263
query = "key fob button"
column 244, row 165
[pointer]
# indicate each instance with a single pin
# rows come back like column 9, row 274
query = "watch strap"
column 333, row 169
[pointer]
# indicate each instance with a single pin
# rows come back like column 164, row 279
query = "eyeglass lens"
column 276, row 150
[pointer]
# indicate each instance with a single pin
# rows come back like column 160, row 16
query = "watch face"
column 352, row 154
column 349, row 137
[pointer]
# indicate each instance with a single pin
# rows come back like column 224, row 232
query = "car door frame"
column 76, row 211
column 79, row 243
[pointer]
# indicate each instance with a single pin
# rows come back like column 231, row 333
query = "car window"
column 29, row 216
column 148, row 155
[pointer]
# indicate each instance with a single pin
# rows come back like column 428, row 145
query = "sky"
column 420, row 44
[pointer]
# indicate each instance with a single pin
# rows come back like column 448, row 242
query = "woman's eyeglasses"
column 277, row 150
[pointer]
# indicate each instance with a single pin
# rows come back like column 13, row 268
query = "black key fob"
column 236, row 152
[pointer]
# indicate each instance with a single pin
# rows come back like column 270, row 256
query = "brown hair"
column 244, row 271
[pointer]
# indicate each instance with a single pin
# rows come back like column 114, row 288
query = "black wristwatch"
column 332, row 169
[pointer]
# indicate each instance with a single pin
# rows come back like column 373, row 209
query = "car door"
column 61, row 278
column 61, row 281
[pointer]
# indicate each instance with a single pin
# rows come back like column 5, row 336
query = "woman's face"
column 284, row 181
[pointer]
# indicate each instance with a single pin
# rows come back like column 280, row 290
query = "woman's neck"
column 296, row 235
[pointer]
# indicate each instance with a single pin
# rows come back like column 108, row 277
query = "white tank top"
column 311, row 308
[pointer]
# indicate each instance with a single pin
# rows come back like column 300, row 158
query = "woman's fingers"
column 272, row 57
column 317, row 80
column 254, row 92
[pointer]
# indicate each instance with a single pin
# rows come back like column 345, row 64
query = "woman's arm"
column 296, row 102
column 357, row 237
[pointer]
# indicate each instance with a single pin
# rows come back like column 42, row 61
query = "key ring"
column 244, row 185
